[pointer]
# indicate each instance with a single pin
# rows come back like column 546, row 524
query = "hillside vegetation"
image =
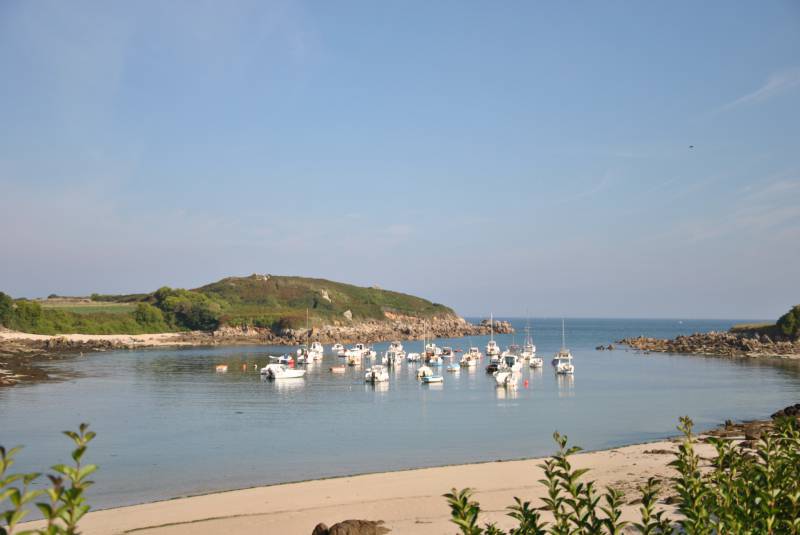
column 266, row 301
column 787, row 325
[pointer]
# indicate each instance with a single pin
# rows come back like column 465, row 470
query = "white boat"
column 283, row 359
column 432, row 350
column 424, row 371
column 338, row 369
column 376, row 374
column 358, row 350
column 433, row 379
column 563, row 359
column 370, row 354
column 492, row 349
column 511, row 362
column 447, row 352
column 337, row 349
column 505, row 377
column 316, row 351
column 529, row 349
column 393, row 358
column 281, row 371
column 435, row 360
column 353, row 360
column 536, row 362
column 395, row 346
column 453, row 367
column 471, row 357
column 412, row 357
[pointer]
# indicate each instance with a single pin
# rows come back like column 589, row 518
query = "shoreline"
column 23, row 354
column 409, row 500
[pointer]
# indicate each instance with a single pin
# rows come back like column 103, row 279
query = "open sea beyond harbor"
column 168, row 425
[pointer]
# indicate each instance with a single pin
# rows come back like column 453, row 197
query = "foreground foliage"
column 741, row 492
column 62, row 504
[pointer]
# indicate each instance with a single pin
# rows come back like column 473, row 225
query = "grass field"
column 94, row 307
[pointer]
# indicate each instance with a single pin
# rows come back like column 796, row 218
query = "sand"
column 409, row 501
column 145, row 340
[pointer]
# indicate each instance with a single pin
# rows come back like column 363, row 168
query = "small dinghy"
column 433, row 379
column 341, row 368
column 453, row 367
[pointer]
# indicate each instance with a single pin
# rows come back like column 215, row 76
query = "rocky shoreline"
column 723, row 344
column 21, row 355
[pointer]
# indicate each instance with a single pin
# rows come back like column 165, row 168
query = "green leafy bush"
column 742, row 492
column 63, row 503
column 789, row 323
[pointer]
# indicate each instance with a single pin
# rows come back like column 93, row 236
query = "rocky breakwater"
column 720, row 344
column 395, row 326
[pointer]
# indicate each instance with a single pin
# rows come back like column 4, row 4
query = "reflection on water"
column 162, row 415
column 566, row 385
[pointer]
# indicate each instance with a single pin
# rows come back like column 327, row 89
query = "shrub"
column 789, row 323
column 64, row 503
column 6, row 309
column 740, row 493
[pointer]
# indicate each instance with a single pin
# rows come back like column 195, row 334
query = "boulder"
column 352, row 527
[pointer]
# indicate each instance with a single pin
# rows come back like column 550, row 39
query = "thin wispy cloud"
column 776, row 84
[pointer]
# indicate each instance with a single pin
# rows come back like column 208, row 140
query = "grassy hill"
column 267, row 301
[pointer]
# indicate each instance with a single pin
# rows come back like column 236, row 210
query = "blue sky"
column 493, row 156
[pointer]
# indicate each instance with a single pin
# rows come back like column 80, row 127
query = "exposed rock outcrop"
column 719, row 343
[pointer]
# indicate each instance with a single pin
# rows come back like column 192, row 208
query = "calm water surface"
column 169, row 426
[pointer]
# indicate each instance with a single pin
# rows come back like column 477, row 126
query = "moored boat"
column 432, row 379
column 281, row 371
column 376, row 374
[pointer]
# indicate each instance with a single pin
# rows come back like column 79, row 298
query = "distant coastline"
column 21, row 353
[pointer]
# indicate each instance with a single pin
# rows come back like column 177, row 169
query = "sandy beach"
column 409, row 501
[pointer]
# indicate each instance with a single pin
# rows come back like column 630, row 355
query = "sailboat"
column 529, row 349
column 492, row 349
column 311, row 352
column 563, row 359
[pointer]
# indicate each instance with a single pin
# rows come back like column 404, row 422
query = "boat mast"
column 491, row 326
column 308, row 332
column 563, row 340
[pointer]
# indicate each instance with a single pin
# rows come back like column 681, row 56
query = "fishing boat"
column 471, row 357
column 395, row 346
column 492, row 349
column 529, row 348
column 370, row 354
column 511, row 362
column 448, row 352
column 393, row 358
column 505, row 377
column 353, row 360
column 281, row 371
column 424, row 371
column 536, row 362
column 376, row 374
column 432, row 379
column 435, row 360
column 563, row 359
column 283, row 359
column 432, row 350
column 358, row 350
column 412, row 357
column 316, row 351
column 337, row 349
column 341, row 368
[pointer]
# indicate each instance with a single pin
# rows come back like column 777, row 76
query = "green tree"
column 789, row 323
column 6, row 309
column 147, row 315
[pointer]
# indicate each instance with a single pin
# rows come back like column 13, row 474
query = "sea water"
column 168, row 425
